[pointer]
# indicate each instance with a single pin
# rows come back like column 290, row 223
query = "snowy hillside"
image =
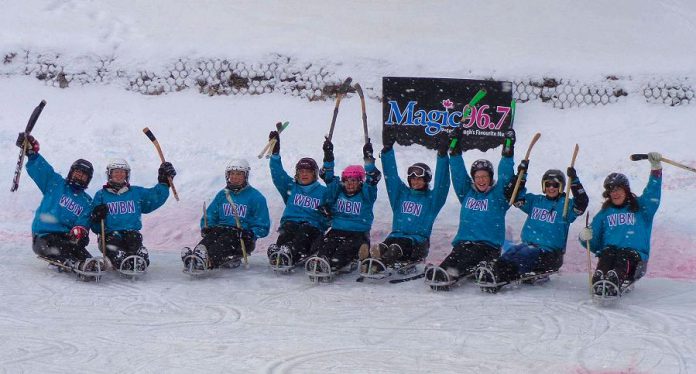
column 254, row 321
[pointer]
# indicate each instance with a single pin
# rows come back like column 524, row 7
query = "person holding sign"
column 481, row 229
column 414, row 207
column 544, row 234
column 620, row 232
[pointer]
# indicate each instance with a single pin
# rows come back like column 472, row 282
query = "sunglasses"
column 416, row 172
column 552, row 184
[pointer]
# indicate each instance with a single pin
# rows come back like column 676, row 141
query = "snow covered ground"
column 255, row 321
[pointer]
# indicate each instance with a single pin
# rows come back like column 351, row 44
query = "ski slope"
column 256, row 321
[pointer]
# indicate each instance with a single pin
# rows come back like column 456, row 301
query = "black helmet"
column 616, row 180
column 420, row 170
column 83, row 166
column 307, row 163
column 553, row 175
column 482, row 165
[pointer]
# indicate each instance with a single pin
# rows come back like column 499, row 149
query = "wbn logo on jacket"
column 349, row 207
column 620, row 219
column 121, row 207
column 239, row 208
column 68, row 203
column 305, row 201
column 410, row 207
column 541, row 214
column 474, row 204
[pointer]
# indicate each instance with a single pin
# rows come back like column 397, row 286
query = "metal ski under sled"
column 133, row 266
column 607, row 293
column 439, row 279
column 281, row 262
column 195, row 267
column 494, row 286
column 318, row 269
column 96, row 263
column 375, row 269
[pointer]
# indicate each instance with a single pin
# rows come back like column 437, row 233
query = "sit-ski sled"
column 195, row 267
column 95, row 268
column 440, row 280
column 319, row 270
column 375, row 269
column 485, row 279
column 605, row 292
column 132, row 266
column 281, row 262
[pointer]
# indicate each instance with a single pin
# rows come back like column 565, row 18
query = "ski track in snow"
column 167, row 320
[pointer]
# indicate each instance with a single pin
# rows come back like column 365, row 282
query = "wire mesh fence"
column 314, row 81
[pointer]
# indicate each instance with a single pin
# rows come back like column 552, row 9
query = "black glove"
column 456, row 134
column 368, row 151
column 523, row 166
column 99, row 213
column 325, row 211
column 387, row 143
column 33, row 147
column 443, row 143
column 165, row 171
column 328, row 150
column 572, row 174
column 509, row 143
column 275, row 135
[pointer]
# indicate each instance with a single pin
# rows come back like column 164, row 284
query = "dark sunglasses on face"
column 416, row 171
column 552, row 184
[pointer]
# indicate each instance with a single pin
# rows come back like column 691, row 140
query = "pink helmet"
column 354, row 172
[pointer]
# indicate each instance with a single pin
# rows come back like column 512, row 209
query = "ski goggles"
column 552, row 184
column 416, row 172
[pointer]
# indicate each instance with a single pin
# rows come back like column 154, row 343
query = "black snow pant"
column 466, row 255
column 300, row 237
column 58, row 247
column 626, row 262
column 340, row 247
column 412, row 250
column 222, row 242
column 121, row 244
column 525, row 258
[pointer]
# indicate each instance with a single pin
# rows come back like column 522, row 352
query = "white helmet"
column 238, row 164
column 117, row 163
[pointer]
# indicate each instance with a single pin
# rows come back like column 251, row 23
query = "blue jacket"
column 62, row 207
column 482, row 216
column 414, row 211
column 249, row 204
column 545, row 226
column 301, row 202
column 353, row 213
column 621, row 228
column 128, row 205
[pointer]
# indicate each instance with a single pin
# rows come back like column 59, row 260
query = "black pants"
column 625, row 262
column 59, row 247
column 300, row 237
column 222, row 242
column 341, row 247
column 466, row 255
column 121, row 244
column 525, row 258
column 412, row 250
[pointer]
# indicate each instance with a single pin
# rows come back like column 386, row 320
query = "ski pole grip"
column 34, row 117
column 639, row 156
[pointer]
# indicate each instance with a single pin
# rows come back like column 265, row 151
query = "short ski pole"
column 107, row 262
column 268, row 149
column 205, row 216
column 589, row 258
column 358, row 88
column 568, row 182
column 239, row 227
column 643, row 156
column 475, row 100
column 342, row 90
column 519, row 175
column 154, row 141
column 23, row 151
